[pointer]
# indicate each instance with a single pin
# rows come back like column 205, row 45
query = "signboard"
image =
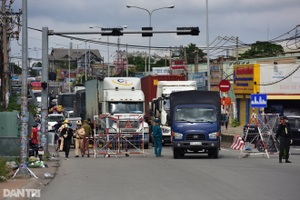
column 281, row 79
column 224, row 86
column 226, row 101
column 161, row 70
column 258, row 100
column 244, row 77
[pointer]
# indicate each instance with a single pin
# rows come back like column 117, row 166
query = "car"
column 252, row 132
column 294, row 122
column 53, row 119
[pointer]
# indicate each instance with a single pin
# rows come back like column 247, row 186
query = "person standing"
column 67, row 134
column 158, row 139
column 57, row 135
column 226, row 120
column 284, row 132
column 79, row 135
column 88, row 133
column 61, row 128
column 34, row 141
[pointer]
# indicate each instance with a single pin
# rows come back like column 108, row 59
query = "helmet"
column 78, row 123
column 66, row 121
column 283, row 117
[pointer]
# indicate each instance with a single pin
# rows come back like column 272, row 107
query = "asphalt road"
column 193, row 177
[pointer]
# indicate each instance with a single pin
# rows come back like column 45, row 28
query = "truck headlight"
column 213, row 135
column 178, row 136
column 166, row 130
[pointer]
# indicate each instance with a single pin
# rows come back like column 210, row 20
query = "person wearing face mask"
column 284, row 134
column 67, row 134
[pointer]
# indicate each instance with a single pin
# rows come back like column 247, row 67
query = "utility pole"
column 196, row 61
column 45, row 89
column 237, row 50
column 5, row 63
column 6, row 19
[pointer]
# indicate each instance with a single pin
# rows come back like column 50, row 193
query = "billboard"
column 280, row 78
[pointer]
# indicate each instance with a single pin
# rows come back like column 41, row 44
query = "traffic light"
column 113, row 32
column 188, row 31
column 147, row 34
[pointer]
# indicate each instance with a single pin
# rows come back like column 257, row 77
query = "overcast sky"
column 250, row 20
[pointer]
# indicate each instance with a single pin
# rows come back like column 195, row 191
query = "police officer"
column 284, row 132
column 79, row 135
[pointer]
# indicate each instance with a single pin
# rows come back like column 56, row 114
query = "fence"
column 116, row 135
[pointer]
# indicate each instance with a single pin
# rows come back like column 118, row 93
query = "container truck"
column 160, row 106
column 195, row 118
column 120, row 97
column 149, row 87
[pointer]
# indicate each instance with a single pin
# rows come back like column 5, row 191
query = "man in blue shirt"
column 158, row 139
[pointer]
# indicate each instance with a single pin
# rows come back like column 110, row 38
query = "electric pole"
column 8, row 21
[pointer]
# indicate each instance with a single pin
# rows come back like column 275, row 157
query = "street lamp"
column 150, row 16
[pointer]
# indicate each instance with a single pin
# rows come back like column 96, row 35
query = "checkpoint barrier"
column 238, row 143
column 124, row 140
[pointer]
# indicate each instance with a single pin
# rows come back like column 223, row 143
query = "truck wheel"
column 146, row 145
column 176, row 154
column 213, row 153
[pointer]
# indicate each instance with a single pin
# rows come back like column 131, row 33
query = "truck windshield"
column 126, row 107
column 195, row 114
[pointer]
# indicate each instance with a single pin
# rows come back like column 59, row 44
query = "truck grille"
column 128, row 130
column 195, row 137
column 129, row 124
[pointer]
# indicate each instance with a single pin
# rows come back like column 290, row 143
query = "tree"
column 191, row 49
column 263, row 49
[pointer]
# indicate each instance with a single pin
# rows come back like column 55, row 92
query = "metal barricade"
column 115, row 135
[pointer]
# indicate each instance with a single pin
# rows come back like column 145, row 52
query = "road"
column 193, row 177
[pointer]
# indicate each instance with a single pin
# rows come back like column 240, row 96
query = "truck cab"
column 160, row 106
column 195, row 118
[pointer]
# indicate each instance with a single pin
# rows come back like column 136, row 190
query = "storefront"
column 281, row 83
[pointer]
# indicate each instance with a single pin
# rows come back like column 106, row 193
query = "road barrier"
column 125, row 139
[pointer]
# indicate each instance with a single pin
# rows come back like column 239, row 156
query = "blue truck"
column 195, row 119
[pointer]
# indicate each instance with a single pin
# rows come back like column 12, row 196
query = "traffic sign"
column 224, row 86
column 258, row 100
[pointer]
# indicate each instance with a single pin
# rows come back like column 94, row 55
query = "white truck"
column 160, row 106
column 119, row 97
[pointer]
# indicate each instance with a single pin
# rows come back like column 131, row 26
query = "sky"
column 249, row 20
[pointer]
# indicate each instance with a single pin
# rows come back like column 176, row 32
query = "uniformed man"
column 88, row 133
column 158, row 139
column 284, row 132
column 79, row 139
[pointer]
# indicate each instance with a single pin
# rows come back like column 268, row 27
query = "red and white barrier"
column 238, row 143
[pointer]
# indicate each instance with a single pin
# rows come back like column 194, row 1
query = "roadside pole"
column 45, row 89
column 23, row 170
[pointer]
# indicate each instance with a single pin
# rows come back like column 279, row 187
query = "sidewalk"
column 227, row 136
column 32, row 182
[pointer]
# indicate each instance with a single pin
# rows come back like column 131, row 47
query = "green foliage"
column 15, row 68
column 13, row 105
column 190, row 50
column 4, row 171
column 263, row 49
column 235, row 122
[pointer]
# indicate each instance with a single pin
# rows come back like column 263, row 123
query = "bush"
column 235, row 122
column 4, row 171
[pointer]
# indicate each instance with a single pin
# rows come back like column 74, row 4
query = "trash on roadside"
column 48, row 175
column 37, row 164
column 2, row 178
column 12, row 165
